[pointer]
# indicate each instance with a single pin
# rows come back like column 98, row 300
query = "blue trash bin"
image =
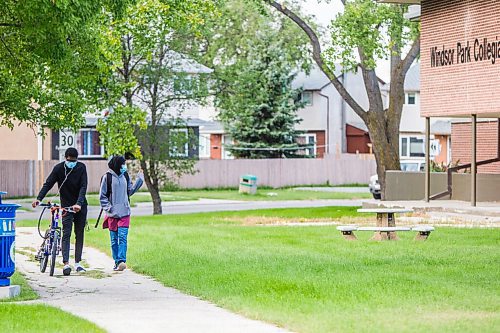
column 7, row 241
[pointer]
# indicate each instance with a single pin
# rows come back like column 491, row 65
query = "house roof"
column 207, row 126
column 315, row 80
column 182, row 64
column 441, row 127
column 412, row 79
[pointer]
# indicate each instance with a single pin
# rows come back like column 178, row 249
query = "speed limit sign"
column 66, row 139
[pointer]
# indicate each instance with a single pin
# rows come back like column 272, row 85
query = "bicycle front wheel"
column 43, row 257
column 53, row 253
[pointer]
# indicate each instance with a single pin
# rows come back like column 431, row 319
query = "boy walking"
column 71, row 178
column 116, row 188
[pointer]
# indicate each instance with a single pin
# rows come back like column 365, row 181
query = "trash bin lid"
column 249, row 177
column 7, row 207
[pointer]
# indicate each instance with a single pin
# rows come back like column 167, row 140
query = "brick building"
column 460, row 78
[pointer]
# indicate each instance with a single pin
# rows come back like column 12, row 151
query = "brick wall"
column 487, row 144
column 459, row 88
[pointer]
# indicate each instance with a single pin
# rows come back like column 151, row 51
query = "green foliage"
column 263, row 111
column 363, row 27
column 118, row 130
column 310, row 279
column 255, row 54
column 145, row 51
column 51, row 67
column 33, row 318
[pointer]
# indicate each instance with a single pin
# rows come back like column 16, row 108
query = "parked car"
column 406, row 165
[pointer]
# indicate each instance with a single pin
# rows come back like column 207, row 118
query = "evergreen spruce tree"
column 260, row 109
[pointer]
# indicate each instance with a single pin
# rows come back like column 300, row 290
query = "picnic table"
column 386, row 225
column 386, row 222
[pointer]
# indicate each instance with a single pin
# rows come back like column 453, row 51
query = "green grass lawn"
column 262, row 195
column 26, row 292
column 37, row 318
column 18, row 317
column 309, row 279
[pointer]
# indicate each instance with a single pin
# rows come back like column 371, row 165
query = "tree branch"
column 318, row 58
column 370, row 80
column 410, row 57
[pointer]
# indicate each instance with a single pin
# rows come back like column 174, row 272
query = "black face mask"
column 116, row 163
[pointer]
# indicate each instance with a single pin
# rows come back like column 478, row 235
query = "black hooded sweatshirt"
column 116, row 163
column 74, row 188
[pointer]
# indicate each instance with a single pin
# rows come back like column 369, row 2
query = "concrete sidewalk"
column 448, row 212
column 125, row 301
column 207, row 205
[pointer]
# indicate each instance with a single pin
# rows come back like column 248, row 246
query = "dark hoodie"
column 116, row 163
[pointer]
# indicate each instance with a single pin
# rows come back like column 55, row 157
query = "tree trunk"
column 153, row 188
column 385, row 146
column 383, row 125
column 155, row 195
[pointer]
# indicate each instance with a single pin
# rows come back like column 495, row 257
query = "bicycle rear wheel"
column 53, row 253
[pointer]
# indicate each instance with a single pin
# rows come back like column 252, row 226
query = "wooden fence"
column 25, row 178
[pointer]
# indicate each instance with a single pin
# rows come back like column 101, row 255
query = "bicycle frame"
column 51, row 246
column 54, row 226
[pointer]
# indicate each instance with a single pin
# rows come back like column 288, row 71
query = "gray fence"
column 332, row 169
column 24, row 178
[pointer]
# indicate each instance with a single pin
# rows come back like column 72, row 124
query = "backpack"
column 109, row 190
column 109, row 179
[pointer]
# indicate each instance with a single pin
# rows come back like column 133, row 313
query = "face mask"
column 70, row 164
column 123, row 169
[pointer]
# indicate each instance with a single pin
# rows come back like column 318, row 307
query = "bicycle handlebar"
column 57, row 206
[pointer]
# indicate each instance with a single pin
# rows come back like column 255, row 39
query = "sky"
column 325, row 12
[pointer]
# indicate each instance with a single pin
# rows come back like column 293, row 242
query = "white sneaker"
column 79, row 268
column 66, row 270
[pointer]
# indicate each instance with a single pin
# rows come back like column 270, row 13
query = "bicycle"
column 51, row 246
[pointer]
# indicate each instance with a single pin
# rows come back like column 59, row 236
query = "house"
column 345, row 132
column 326, row 118
column 24, row 143
column 412, row 127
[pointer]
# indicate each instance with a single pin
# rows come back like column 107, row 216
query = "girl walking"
column 116, row 188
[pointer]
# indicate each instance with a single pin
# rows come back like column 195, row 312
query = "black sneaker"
column 67, row 270
column 115, row 268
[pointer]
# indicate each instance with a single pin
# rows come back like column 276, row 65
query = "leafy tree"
column 149, row 76
column 51, row 66
column 358, row 40
column 255, row 54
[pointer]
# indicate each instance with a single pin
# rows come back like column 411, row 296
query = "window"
column 204, row 145
column 412, row 97
column 89, row 142
column 226, row 153
column 412, row 146
column 404, row 147
column 306, row 97
column 179, row 143
column 186, row 85
column 310, row 141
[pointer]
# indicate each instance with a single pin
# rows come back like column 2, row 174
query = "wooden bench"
column 348, row 231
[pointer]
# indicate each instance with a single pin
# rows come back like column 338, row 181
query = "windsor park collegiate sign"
column 463, row 53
